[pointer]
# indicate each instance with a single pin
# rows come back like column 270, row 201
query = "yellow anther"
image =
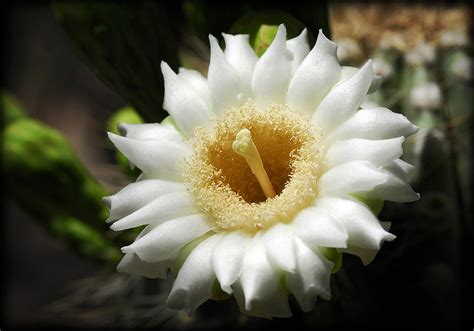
column 244, row 146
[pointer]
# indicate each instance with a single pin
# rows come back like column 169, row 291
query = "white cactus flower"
column 423, row 53
column 348, row 50
column 461, row 67
column 426, row 96
column 382, row 68
column 453, row 38
column 258, row 180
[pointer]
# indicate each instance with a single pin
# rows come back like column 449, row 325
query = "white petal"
column 347, row 72
column 242, row 58
column 132, row 265
column 259, row 280
column 223, row 80
column 164, row 241
column 362, row 226
column 401, row 169
column 272, row 72
column 158, row 158
column 299, row 47
column 396, row 188
column 198, row 83
column 193, row 286
column 317, row 228
column 279, row 244
column 374, row 123
column 316, row 75
column 137, row 195
column 377, row 152
column 344, row 99
column 312, row 278
column 161, row 209
column 183, row 103
column 275, row 306
column 351, row 177
column 227, row 258
column 150, row 131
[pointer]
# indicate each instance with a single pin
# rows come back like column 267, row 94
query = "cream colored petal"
column 223, row 81
column 137, row 195
column 151, row 131
column 312, row 278
column 158, row 158
column 374, row 123
column 272, row 72
column 183, row 103
column 242, row 58
column 351, row 177
column 132, row 265
column 299, row 47
column 193, row 286
column 317, row 228
column 344, row 99
column 198, row 83
column 275, row 306
column 280, row 247
column 259, row 280
column 165, row 241
column 228, row 256
column 315, row 77
column 362, row 226
column 377, row 152
column 162, row 209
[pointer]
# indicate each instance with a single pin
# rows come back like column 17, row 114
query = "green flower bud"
column 124, row 115
column 262, row 27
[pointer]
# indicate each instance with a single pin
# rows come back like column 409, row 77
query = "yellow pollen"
column 250, row 179
column 244, row 146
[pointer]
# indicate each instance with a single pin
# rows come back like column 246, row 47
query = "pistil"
column 244, row 146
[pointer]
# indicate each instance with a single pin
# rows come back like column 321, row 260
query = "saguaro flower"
column 257, row 181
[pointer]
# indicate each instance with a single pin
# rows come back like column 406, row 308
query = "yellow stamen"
column 244, row 146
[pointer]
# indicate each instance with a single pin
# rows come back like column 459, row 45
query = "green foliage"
column 124, row 43
column 11, row 109
column 85, row 239
column 45, row 177
column 43, row 172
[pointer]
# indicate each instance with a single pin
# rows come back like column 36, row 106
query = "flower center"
column 255, row 167
column 244, row 145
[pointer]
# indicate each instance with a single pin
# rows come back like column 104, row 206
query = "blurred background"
column 73, row 71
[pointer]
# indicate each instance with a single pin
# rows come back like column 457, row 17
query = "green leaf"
column 124, row 43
